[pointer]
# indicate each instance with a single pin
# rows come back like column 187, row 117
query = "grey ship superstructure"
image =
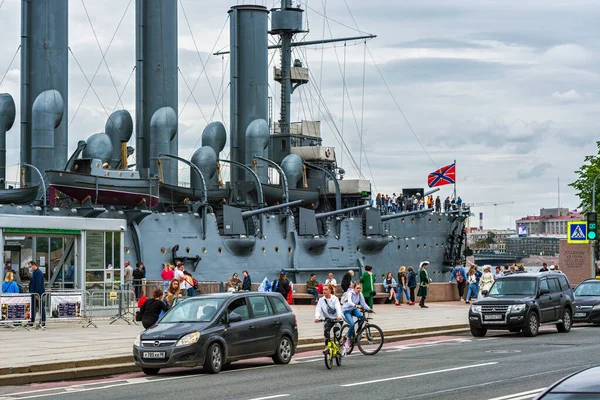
column 311, row 221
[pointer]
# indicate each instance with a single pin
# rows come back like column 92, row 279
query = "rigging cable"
column 324, row 2
column 103, row 54
column 399, row 108
column 331, row 19
column 89, row 83
column 343, row 97
column 11, row 61
column 362, row 106
column 99, row 65
column 200, row 57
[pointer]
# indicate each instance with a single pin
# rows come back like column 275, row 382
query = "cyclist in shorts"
column 329, row 309
column 354, row 301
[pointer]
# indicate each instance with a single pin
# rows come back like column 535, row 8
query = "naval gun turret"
column 233, row 217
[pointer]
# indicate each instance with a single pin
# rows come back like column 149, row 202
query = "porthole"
column 439, row 220
column 289, row 249
column 418, row 247
column 442, row 244
column 429, row 220
column 126, row 250
column 412, row 220
column 425, row 245
column 219, row 250
column 402, row 220
column 398, row 247
column 187, row 250
column 204, row 250
column 120, row 174
column 163, row 250
column 437, row 245
column 107, row 173
column 357, row 248
column 264, row 249
column 342, row 248
column 406, row 247
column 276, row 249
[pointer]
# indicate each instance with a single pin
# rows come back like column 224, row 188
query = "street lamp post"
column 42, row 181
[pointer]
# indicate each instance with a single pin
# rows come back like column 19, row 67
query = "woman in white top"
column 329, row 309
column 486, row 282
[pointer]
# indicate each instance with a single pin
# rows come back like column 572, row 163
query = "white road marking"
column 271, row 397
column 419, row 374
column 421, row 345
column 520, row 396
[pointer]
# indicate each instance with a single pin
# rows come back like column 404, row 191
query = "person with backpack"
column 412, row 284
column 9, row 285
column 459, row 273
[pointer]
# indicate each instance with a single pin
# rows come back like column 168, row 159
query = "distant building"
column 551, row 221
column 475, row 238
column 534, row 245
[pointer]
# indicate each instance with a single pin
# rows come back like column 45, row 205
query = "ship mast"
column 287, row 32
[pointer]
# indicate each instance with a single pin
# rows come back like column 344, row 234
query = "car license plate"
column 489, row 317
column 153, row 354
column 579, row 314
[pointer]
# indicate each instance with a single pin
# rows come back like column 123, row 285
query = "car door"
column 239, row 335
column 545, row 302
column 266, row 324
column 556, row 296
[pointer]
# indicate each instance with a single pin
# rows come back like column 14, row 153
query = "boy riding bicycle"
column 353, row 303
column 329, row 309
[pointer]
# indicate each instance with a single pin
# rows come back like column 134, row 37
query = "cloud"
column 534, row 172
column 567, row 97
column 567, row 54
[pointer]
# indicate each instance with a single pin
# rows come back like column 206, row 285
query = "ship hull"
column 105, row 190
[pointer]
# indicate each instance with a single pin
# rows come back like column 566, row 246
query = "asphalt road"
column 499, row 366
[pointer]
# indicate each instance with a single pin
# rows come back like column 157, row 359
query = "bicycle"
column 333, row 351
column 369, row 339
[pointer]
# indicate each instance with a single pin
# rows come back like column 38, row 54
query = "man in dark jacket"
column 247, row 283
column 36, row 286
column 347, row 280
column 138, row 275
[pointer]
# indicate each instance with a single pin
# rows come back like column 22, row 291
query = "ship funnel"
column 98, row 146
column 257, row 140
column 292, row 167
column 7, row 119
column 46, row 115
column 249, row 79
column 119, row 128
column 205, row 159
column 163, row 128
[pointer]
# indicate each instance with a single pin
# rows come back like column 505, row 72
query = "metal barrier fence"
column 204, row 287
column 118, row 304
column 17, row 310
column 64, row 305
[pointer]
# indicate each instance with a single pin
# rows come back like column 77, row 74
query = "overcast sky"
column 510, row 89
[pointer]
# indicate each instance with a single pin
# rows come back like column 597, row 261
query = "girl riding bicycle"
column 329, row 309
column 354, row 302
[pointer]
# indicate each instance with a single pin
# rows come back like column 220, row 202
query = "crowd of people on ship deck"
column 393, row 204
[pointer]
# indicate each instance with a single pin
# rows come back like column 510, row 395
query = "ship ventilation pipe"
column 249, row 77
column 163, row 128
column 215, row 136
column 119, row 128
column 7, row 119
column 46, row 114
column 292, row 167
column 98, row 147
column 205, row 159
column 257, row 140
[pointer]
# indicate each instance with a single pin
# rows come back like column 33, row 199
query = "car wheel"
column 514, row 330
column 214, row 359
column 150, row 371
column 532, row 327
column 478, row 332
column 283, row 353
column 565, row 326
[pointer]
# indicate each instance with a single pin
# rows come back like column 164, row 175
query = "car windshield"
column 193, row 310
column 588, row 289
column 513, row 287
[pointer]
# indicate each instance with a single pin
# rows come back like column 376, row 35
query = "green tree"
column 584, row 183
column 491, row 238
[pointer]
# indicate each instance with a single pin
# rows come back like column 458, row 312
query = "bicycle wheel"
column 328, row 360
column 370, row 340
column 338, row 360
column 344, row 334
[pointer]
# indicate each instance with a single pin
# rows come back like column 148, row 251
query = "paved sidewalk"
column 70, row 343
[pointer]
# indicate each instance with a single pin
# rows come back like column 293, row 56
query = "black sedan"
column 582, row 385
column 587, row 302
column 213, row 330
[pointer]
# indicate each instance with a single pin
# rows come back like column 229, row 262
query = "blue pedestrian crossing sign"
column 577, row 232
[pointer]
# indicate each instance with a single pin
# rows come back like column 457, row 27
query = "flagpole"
column 455, row 180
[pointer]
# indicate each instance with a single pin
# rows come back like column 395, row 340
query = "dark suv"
column 213, row 330
column 522, row 302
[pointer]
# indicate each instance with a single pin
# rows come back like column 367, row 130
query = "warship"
column 287, row 205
